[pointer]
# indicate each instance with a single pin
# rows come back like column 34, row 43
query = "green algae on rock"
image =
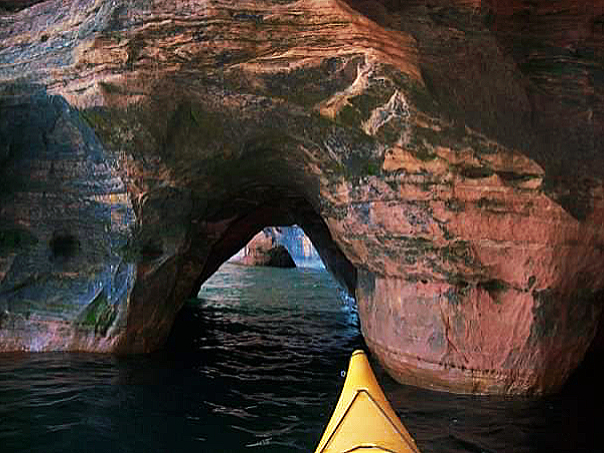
column 426, row 152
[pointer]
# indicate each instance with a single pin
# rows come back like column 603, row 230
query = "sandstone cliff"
column 444, row 157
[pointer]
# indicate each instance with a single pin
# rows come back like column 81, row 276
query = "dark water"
column 255, row 366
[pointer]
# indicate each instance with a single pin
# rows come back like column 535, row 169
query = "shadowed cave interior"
column 287, row 210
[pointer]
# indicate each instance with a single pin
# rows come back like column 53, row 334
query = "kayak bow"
column 363, row 420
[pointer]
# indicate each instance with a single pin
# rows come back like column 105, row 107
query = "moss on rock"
column 98, row 315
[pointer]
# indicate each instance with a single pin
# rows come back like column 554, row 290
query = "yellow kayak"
column 363, row 420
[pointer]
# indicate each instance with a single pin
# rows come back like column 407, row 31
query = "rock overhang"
column 470, row 225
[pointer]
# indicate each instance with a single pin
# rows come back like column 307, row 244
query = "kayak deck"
column 363, row 420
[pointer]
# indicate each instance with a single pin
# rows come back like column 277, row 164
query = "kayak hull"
column 363, row 420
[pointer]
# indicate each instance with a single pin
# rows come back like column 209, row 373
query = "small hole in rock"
column 64, row 245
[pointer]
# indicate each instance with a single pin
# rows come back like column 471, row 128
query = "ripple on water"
column 255, row 365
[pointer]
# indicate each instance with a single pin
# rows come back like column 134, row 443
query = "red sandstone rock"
column 262, row 250
column 445, row 159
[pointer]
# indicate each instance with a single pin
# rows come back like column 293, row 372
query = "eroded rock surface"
column 263, row 250
column 445, row 159
column 65, row 215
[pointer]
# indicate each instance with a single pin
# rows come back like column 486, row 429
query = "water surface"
column 255, row 365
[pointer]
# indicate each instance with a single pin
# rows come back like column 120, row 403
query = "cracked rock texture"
column 444, row 157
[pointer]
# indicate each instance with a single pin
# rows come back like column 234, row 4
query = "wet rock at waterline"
column 445, row 160
column 65, row 216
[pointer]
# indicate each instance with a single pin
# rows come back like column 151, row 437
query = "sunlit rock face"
column 291, row 239
column 300, row 247
column 521, row 242
column 263, row 250
column 445, row 159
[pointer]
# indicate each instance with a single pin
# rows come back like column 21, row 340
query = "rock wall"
column 299, row 247
column 65, row 216
column 445, row 159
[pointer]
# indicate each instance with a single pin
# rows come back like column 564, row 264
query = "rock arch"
column 150, row 141
column 164, row 281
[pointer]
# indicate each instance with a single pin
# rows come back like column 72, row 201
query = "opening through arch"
column 279, row 211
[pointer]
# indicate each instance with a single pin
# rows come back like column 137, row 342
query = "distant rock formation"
column 445, row 158
column 291, row 238
column 299, row 246
column 262, row 250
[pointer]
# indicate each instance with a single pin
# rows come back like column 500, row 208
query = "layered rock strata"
column 445, row 159
column 65, row 215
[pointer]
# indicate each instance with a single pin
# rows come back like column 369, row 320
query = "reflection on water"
column 254, row 365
